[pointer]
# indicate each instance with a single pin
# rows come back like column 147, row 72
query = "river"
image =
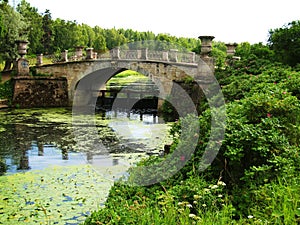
column 52, row 175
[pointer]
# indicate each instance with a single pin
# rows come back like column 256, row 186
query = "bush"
column 6, row 90
column 254, row 178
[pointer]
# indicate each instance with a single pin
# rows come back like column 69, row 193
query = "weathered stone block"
column 22, row 67
column 40, row 92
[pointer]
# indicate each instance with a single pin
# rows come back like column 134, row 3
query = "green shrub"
column 6, row 90
column 258, row 159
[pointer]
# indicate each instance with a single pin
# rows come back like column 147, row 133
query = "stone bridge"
column 162, row 67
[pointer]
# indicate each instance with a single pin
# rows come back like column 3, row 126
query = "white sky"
column 227, row 20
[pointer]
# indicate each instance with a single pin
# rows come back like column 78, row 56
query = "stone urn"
column 231, row 48
column 206, row 45
column 22, row 47
column 22, row 64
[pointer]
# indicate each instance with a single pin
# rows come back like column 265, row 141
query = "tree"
column 114, row 38
column 35, row 28
column 67, row 35
column 285, row 42
column 87, row 35
column 12, row 28
column 245, row 50
column 99, row 44
column 48, row 32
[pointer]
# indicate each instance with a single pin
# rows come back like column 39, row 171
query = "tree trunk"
column 7, row 65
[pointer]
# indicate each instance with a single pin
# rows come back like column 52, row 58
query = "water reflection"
column 29, row 143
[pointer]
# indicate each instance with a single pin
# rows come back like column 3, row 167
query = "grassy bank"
column 254, row 178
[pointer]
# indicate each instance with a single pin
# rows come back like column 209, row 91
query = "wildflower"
column 189, row 205
column 269, row 115
column 220, row 196
column 197, row 196
column 192, row 215
column 182, row 158
column 214, row 186
column 284, row 92
column 180, row 203
column 195, row 202
column 221, row 183
column 250, row 217
column 204, row 205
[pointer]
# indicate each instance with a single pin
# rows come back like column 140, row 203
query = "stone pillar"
column 173, row 55
column 193, row 57
column 39, row 60
column 115, row 53
column 206, row 65
column 22, row 63
column 230, row 53
column 64, row 56
column 89, row 53
column 78, row 52
column 165, row 56
column 22, row 67
column 206, row 45
column 231, row 48
column 95, row 55
column 144, row 53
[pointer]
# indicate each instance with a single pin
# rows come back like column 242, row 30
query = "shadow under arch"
column 85, row 88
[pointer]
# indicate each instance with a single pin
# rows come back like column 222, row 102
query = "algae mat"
column 56, row 195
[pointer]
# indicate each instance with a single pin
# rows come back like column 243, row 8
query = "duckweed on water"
column 57, row 195
column 65, row 195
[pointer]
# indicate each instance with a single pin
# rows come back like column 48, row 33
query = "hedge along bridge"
column 162, row 67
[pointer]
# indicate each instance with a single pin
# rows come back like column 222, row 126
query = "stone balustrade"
column 172, row 55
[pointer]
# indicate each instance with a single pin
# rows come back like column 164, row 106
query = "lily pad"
column 55, row 195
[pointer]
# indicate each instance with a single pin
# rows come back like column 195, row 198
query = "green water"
column 52, row 175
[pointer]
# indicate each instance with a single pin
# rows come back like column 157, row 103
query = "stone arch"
column 161, row 73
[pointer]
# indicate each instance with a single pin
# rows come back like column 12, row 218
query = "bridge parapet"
column 172, row 55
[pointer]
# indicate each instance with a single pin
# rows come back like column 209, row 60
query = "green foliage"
column 285, row 42
column 258, row 160
column 219, row 53
column 12, row 27
column 67, row 35
column 6, row 90
column 189, row 203
column 259, row 50
column 168, row 111
column 277, row 202
column 100, row 42
column 253, row 74
column 47, row 39
column 34, row 29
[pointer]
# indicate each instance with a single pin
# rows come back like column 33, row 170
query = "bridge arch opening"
column 118, row 89
column 165, row 77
